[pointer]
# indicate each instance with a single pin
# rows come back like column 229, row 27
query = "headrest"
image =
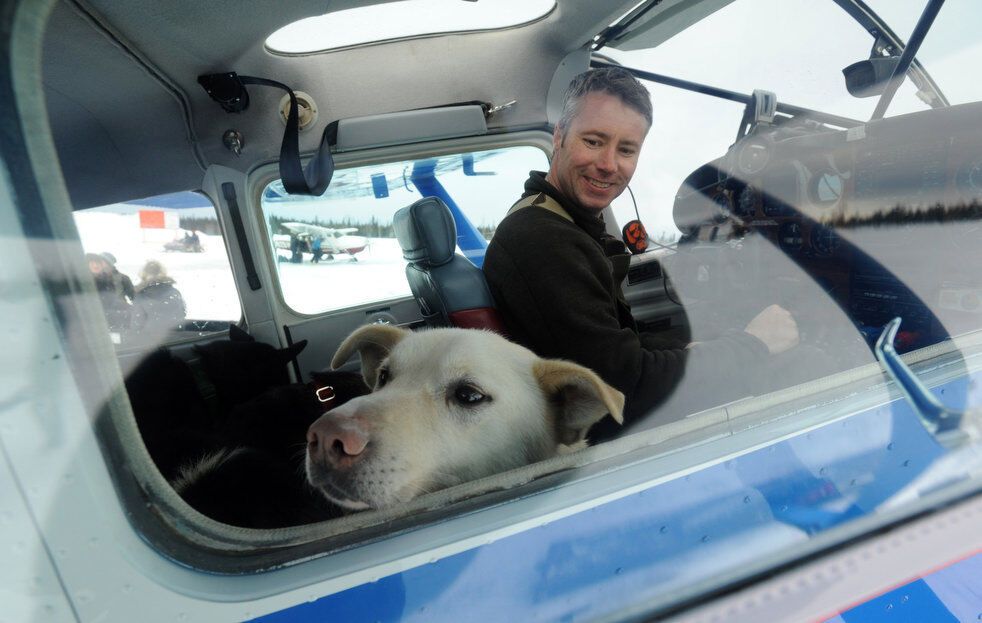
column 426, row 232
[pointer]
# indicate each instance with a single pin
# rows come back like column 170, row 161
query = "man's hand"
column 776, row 328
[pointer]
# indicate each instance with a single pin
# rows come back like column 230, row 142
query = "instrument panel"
column 886, row 216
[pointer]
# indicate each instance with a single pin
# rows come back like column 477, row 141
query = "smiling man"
column 555, row 273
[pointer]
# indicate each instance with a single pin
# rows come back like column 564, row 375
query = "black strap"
column 228, row 190
column 295, row 361
column 315, row 179
column 228, row 89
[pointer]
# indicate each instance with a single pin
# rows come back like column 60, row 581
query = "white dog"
column 448, row 406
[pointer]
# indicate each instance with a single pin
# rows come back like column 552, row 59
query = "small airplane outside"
column 321, row 242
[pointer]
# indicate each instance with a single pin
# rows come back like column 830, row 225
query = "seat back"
column 449, row 289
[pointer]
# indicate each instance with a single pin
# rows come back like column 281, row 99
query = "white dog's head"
column 448, row 406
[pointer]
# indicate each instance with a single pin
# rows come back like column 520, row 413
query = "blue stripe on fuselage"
column 650, row 543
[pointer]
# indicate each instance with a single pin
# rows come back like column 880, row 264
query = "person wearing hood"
column 112, row 292
column 122, row 281
column 160, row 301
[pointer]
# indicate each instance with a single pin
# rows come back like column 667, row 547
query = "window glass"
column 687, row 131
column 950, row 48
column 795, row 49
column 338, row 250
column 160, row 266
column 394, row 20
column 843, row 228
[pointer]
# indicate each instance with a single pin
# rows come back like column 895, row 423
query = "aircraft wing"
column 353, row 183
column 318, row 230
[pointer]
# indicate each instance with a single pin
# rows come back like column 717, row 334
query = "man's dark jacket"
column 556, row 284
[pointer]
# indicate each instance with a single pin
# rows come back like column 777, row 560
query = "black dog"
column 256, row 479
column 228, row 429
column 181, row 407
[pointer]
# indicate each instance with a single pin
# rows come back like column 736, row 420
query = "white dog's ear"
column 373, row 342
column 583, row 398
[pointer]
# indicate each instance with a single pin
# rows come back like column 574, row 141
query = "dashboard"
column 884, row 218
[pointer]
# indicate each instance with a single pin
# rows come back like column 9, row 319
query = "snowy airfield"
column 205, row 279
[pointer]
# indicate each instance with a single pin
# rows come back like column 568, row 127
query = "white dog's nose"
column 336, row 441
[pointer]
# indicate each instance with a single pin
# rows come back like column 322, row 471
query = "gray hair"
column 613, row 80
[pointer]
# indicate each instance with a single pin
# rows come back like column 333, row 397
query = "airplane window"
column 160, row 267
column 689, row 129
column 947, row 51
column 841, row 223
column 369, row 24
column 327, row 248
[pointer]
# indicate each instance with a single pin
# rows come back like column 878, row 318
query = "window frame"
column 185, row 337
column 311, row 553
column 259, row 177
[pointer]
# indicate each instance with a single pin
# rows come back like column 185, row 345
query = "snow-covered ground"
column 379, row 274
column 205, row 279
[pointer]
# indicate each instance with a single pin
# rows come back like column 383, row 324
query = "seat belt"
column 228, row 89
column 315, row 179
column 544, row 201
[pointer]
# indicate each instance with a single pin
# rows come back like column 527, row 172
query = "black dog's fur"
column 235, row 455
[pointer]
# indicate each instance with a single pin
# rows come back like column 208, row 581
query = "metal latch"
column 951, row 427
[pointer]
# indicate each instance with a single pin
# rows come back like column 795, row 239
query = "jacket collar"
column 589, row 221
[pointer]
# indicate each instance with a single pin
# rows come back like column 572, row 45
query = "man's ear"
column 583, row 398
column 557, row 138
column 373, row 342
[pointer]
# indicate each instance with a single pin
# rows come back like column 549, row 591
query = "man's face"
column 595, row 160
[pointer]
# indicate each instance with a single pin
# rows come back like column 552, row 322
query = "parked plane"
column 321, row 242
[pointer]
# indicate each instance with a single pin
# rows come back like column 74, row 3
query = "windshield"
column 796, row 49
column 950, row 52
column 839, row 222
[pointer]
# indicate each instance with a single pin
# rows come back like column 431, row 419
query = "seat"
column 449, row 289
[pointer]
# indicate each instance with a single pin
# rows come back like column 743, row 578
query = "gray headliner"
column 130, row 120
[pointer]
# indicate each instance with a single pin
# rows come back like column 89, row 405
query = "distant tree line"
column 906, row 215
column 200, row 224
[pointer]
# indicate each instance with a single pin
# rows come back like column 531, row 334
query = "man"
column 112, row 290
column 122, row 280
column 555, row 273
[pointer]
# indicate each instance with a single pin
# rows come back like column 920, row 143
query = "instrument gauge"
column 826, row 188
column 823, row 240
column 753, row 157
column 969, row 179
column 747, row 202
column 723, row 208
column 772, row 206
column 789, row 237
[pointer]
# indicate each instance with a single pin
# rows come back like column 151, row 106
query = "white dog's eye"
column 466, row 394
column 383, row 378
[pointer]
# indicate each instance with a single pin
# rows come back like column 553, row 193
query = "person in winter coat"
column 555, row 274
column 111, row 286
column 123, row 281
column 160, row 301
